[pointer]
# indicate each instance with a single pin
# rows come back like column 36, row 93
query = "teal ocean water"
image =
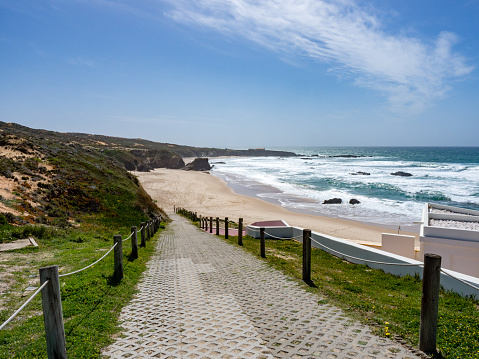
column 445, row 175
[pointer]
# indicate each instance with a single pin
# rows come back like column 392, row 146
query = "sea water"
column 444, row 175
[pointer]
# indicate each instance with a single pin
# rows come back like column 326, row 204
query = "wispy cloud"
column 352, row 41
column 81, row 61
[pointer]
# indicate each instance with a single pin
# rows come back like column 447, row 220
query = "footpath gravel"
column 204, row 298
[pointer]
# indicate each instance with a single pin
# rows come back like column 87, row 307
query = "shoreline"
column 255, row 189
column 211, row 196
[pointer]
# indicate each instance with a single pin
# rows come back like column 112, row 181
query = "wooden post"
column 306, row 255
column 226, row 227
column 149, row 229
column 240, row 231
column 206, row 224
column 52, row 313
column 118, row 254
column 142, row 233
column 430, row 302
column 134, row 242
column 262, row 244
column 211, row 224
column 217, row 226
column 201, row 222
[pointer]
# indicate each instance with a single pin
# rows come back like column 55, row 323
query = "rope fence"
column 275, row 237
column 128, row 237
column 51, row 298
column 23, row 306
column 272, row 235
column 91, row 265
column 367, row 260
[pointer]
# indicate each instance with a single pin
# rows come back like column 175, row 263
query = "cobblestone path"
column 203, row 298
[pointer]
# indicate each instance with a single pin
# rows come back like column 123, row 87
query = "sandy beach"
column 210, row 196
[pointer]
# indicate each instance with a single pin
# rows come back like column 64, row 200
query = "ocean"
column 444, row 175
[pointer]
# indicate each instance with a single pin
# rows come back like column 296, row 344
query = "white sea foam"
column 303, row 184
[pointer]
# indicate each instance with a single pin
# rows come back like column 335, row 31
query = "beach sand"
column 210, row 196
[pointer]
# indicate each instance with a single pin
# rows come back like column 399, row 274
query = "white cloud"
column 413, row 73
column 81, row 61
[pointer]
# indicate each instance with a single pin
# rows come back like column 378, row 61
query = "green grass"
column 390, row 304
column 91, row 300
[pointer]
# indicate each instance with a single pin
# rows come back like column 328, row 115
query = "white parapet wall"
column 357, row 253
column 451, row 232
column 399, row 244
column 460, row 256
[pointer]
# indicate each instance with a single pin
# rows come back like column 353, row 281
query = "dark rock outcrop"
column 159, row 158
column 333, row 201
column 402, row 174
column 354, row 201
column 146, row 160
column 198, row 164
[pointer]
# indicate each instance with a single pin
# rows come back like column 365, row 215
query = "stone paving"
column 204, row 298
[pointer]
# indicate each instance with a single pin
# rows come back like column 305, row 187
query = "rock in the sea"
column 333, row 201
column 361, row 173
column 402, row 174
column 354, row 201
column 198, row 164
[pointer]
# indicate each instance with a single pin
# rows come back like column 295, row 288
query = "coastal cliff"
column 146, row 160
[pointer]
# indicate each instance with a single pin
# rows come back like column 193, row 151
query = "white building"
column 452, row 233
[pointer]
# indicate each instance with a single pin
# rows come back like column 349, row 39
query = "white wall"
column 399, row 244
column 457, row 255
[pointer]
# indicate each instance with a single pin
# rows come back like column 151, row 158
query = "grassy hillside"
column 64, row 184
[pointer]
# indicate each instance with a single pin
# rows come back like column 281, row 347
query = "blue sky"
column 245, row 73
